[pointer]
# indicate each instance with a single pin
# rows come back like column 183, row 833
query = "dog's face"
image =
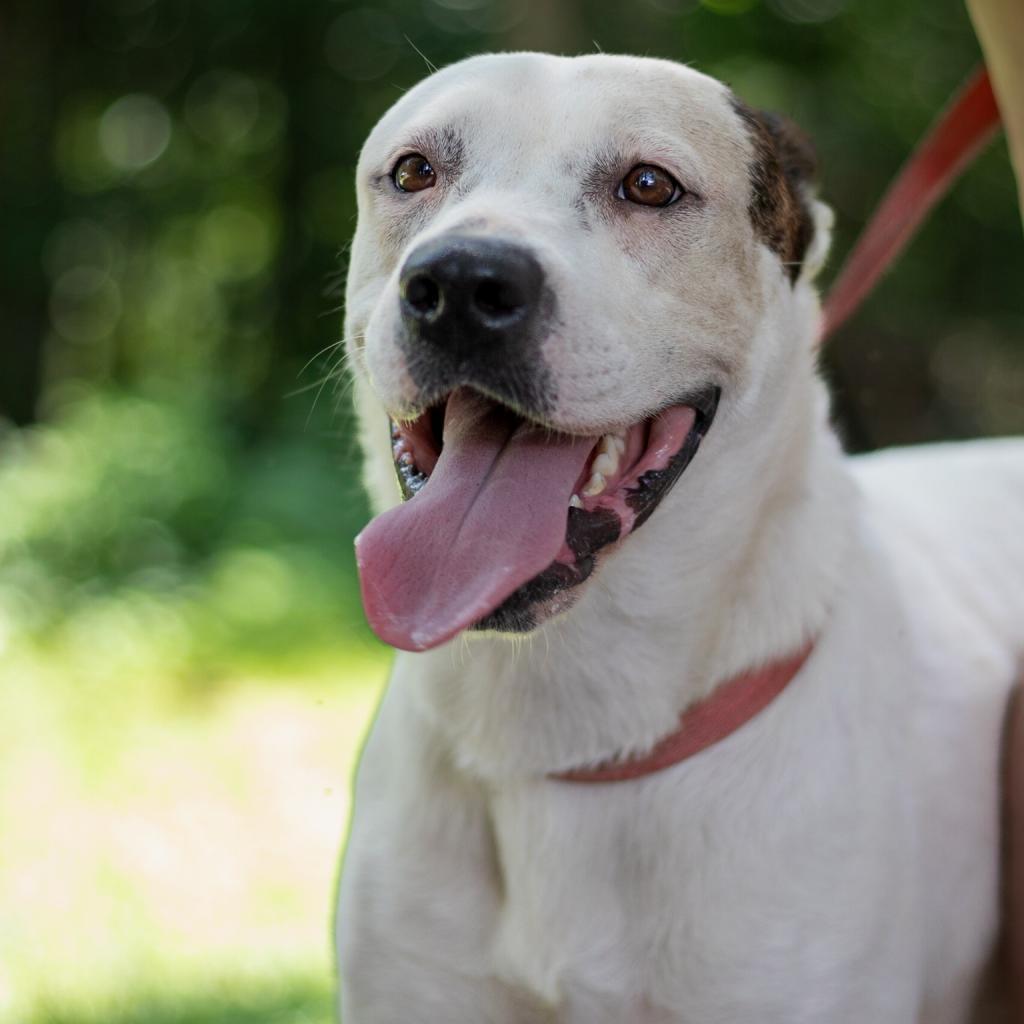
column 559, row 268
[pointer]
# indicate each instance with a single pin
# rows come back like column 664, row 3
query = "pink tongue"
column 492, row 516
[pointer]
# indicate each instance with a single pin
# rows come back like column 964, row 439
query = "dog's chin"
column 649, row 458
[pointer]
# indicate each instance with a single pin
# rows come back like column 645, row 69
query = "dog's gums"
column 625, row 475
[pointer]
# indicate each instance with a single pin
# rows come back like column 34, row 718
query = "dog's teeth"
column 620, row 443
column 595, row 485
column 606, row 462
column 574, row 502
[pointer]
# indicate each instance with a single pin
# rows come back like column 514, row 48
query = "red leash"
column 946, row 151
column 959, row 135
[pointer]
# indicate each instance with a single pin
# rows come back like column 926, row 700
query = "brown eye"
column 649, row 186
column 413, row 174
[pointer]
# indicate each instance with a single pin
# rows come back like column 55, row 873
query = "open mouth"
column 504, row 516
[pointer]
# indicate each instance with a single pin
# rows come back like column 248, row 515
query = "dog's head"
column 559, row 271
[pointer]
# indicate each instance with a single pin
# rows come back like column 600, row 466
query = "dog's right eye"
column 648, row 185
column 413, row 173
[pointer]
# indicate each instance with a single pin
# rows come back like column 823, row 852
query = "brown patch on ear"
column 784, row 165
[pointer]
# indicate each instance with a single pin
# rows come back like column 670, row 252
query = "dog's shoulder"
column 972, row 485
column 949, row 518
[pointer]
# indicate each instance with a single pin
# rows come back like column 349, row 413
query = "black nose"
column 461, row 292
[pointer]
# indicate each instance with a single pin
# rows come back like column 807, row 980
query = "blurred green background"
column 184, row 670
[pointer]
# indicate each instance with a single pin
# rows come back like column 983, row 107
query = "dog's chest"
column 621, row 906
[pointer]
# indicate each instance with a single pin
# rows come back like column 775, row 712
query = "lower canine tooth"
column 574, row 502
column 595, row 485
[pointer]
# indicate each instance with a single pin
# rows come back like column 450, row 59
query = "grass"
column 169, row 855
column 289, row 1001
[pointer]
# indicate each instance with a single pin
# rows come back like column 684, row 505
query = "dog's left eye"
column 649, row 186
column 413, row 173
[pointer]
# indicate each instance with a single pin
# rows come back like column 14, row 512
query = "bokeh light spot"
column 223, row 107
column 235, row 243
column 85, row 305
column 253, row 586
column 134, row 131
column 80, row 242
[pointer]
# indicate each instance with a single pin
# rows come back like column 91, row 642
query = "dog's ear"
column 799, row 162
column 783, row 208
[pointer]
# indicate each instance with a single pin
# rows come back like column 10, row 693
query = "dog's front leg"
column 420, row 888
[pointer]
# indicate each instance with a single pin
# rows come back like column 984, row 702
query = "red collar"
column 731, row 705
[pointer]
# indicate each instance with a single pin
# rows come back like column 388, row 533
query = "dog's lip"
column 702, row 397
column 416, row 434
column 658, row 451
column 407, row 418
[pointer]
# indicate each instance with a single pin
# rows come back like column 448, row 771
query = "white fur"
column 835, row 859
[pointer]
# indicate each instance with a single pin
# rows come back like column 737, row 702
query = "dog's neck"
column 727, row 574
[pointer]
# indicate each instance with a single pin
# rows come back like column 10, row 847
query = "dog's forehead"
column 565, row 107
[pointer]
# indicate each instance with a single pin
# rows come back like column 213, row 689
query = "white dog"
column 568, row 276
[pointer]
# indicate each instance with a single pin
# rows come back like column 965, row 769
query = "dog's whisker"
column 312, row 359
column 431, row 66
column 306, row 388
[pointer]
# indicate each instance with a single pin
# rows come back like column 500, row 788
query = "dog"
column 583, row 328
